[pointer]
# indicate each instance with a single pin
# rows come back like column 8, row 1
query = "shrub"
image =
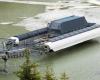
column 29, row 71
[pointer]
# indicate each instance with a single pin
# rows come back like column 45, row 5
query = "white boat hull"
column 73, row 40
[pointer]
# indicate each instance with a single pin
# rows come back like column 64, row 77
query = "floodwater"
column 80, row 62
column 12, row 13
column 42, row 0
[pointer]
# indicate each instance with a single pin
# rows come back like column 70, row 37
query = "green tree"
column 28, row 71
column 49, row 74
column 64, row 76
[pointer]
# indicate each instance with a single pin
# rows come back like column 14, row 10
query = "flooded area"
column 80, row 62
column 12, row 13
column 42, row 0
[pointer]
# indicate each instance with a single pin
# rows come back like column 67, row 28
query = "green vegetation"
column 64, row 76
column 30, row 71
column 49, row 74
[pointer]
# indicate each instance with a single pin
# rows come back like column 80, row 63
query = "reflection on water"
column 81, row 62
column 71, row 50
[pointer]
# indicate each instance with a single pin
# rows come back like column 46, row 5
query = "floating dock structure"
column 61, row 33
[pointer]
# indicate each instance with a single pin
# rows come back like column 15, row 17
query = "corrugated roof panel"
column 68, row 24
column 66, row 19
column 31, row 34
column 92, row 26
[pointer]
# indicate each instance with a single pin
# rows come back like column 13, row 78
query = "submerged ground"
column 80, row 62
column 12, row 13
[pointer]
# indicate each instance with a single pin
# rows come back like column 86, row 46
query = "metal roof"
column 31, row 34
column 68, row 24
column 91, row 27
